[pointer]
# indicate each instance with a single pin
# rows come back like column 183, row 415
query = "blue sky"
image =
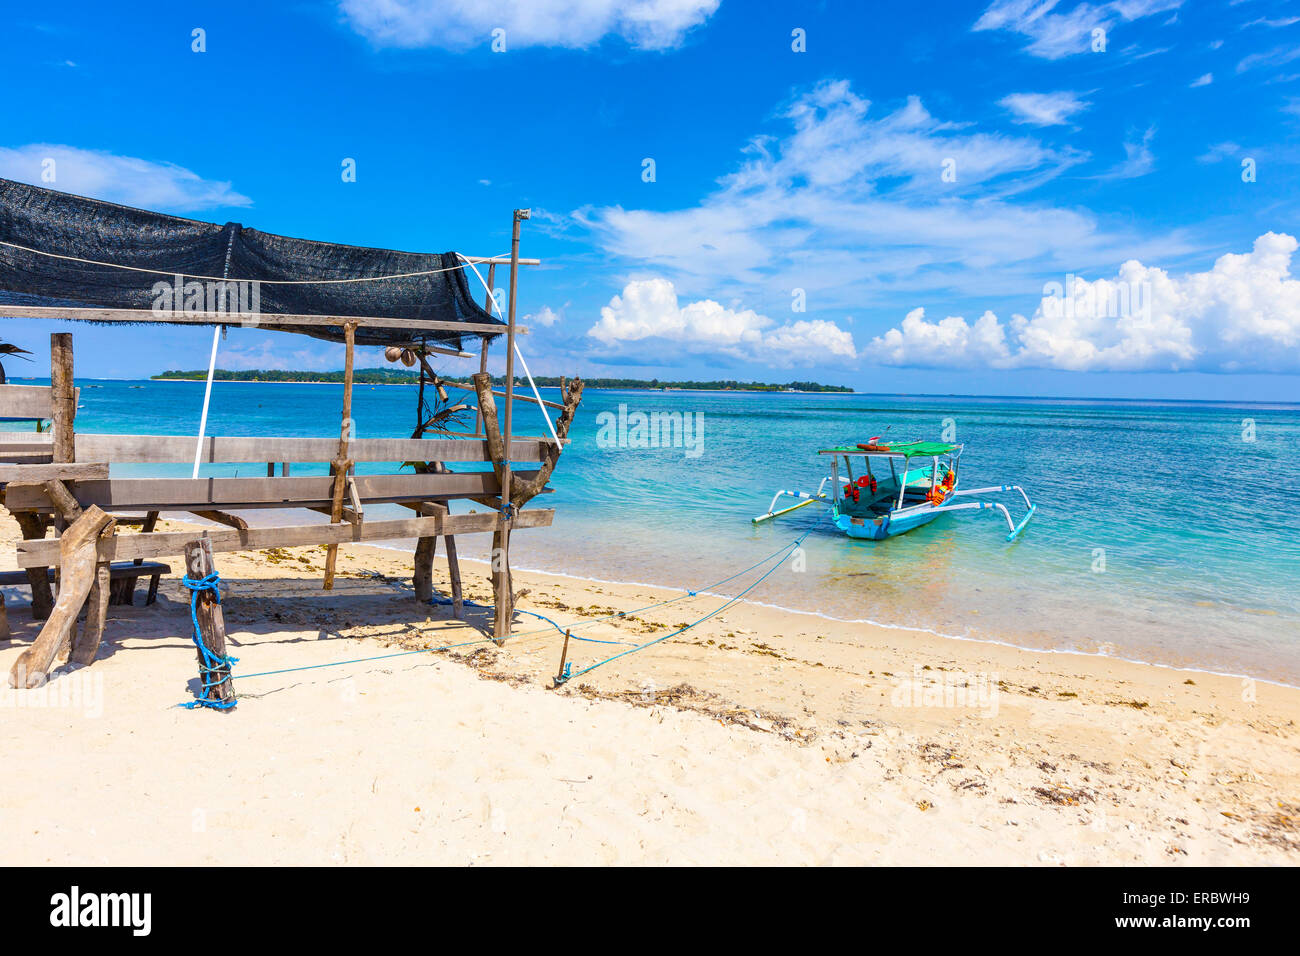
column 1000, row 197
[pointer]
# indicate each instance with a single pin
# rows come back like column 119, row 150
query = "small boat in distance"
column 888, row 496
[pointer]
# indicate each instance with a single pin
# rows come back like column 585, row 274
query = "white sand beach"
column 761, row 736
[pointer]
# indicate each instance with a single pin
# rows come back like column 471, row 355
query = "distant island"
column 404, row 376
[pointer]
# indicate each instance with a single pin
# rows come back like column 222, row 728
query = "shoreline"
column 884, row 625
column 845, row 742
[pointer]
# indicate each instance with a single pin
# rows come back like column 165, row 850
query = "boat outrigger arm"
column 1013, row 529
column 808, row 500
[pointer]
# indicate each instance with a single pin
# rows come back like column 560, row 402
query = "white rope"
column 207, row 397
column 186, row 275
column 522, row 361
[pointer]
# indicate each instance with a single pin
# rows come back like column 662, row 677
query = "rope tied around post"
column 214, row 668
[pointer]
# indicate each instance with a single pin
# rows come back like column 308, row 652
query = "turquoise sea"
column 1163, row 533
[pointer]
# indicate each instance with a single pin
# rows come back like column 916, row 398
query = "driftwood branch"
column 77, row 562
column 521, row 492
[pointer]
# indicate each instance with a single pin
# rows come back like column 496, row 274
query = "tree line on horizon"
column 391, row 376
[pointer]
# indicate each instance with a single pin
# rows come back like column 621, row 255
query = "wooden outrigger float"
column 87, row 258
column 888, row 496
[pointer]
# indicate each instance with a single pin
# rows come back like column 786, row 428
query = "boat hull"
column 885, row 526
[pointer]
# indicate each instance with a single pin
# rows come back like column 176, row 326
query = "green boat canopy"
column 910, row 449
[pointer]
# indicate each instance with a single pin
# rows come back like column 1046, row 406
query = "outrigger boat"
column 888, row 496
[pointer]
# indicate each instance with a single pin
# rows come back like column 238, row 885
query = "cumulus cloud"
column 120, row 179
column 852, row 205
column 1055, row 32
column 1043, row 109
column 647, row 318
column 460, row 24
column 1241, row 315
column 545, row 316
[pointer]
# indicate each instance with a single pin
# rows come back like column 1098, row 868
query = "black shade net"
column 204, row 254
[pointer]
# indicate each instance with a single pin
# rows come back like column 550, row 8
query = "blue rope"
column 484, row 607
column 364, row 660
column 213, row 668
column 635, row 610
column 716, row 611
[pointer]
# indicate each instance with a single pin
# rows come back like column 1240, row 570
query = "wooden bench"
column 125, row 572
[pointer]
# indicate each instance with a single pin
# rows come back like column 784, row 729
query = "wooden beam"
column 57, row 471
column 502, row 260
column 220, row 517
column 165, row 449
column 236, row 494
column 250, row 320
column 42, row 553
column 518, row 398
column 26, row 401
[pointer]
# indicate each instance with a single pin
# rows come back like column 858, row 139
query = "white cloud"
column 949, row 341
column 852, row 207
column 1055, row 34
column 545, row 316
column 1241, row 315
column 1278, row 56
column 1205, row 79
column 1138, row 158
column 1043, row 109
column 1219, row 152
column 460, row 24
column 120, row 179
column 1271, row 24
column 647, row 319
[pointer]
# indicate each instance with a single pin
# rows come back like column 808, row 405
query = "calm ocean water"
column 1199, row 528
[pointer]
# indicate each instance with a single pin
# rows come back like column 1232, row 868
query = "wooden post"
column 425, row 550
column 212, row 621
column 64, row 412
column 65, row 396
column 78, row 554
column 33, row 527
column 503, row 588
column 453, row 572
column 564, row 655
column 482, row 360
column 342, row 466
column 122, row 592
